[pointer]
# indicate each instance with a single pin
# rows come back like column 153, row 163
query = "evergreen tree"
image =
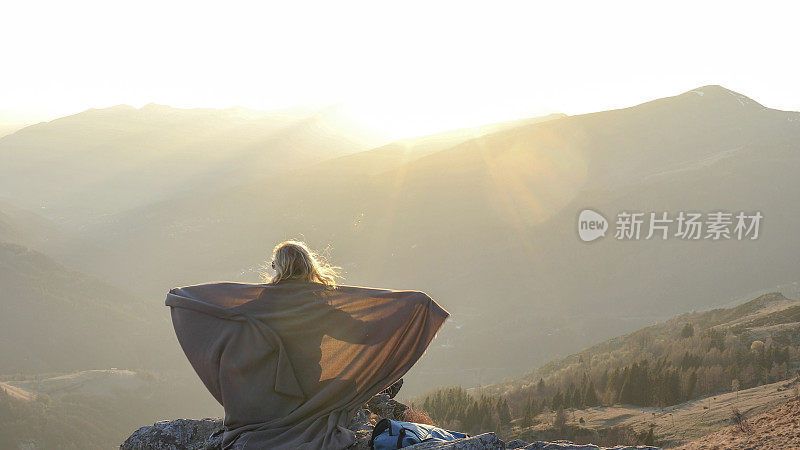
column 590, row 395
column 691, row 385
column 528, row 412
column 604, row 380
column 504, row 412
column 557, row 402
column 575, row 398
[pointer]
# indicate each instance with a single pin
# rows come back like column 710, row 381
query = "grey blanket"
column 291, row 362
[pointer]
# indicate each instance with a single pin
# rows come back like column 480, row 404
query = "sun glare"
column 409, row 70
column 403, row 118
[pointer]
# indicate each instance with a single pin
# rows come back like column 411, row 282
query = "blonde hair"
column 293, row 260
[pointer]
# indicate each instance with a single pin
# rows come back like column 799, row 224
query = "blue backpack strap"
column 380, row 427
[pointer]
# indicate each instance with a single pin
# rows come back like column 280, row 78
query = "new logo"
column 591, row 225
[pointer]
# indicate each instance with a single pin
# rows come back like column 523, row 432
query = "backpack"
column 393, row 434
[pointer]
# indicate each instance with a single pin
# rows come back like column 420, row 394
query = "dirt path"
column 16, row 392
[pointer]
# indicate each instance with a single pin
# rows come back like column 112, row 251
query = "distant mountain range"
column 79, row 168
column 483, row 220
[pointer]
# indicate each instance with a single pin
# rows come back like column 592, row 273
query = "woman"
column 292, row 260
column 292, row 359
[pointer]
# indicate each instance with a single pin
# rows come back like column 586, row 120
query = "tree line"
column 646, row 370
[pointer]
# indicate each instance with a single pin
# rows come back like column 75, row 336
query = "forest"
column 688, row 357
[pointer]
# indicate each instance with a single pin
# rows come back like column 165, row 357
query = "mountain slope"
column 680, row 378
column 396, row 154
column 97, row 162
column 55, row 318
column 772, row 319
column 776, row 429
column 28, row 229
column 31, row 230
column 93, row 409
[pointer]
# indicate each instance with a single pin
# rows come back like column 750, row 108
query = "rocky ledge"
column 206, row 434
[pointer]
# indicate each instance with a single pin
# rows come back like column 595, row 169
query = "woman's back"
column 291, row 360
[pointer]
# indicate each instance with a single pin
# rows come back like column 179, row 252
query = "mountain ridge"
column 487, row 226
column 503, row 200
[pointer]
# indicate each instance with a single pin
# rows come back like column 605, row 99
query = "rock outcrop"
column 188, row 434
column 206, row 434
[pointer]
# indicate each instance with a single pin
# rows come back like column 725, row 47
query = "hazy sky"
column 407, row 67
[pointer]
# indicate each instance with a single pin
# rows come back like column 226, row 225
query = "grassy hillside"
column 777, row 428
column 93, row 409
column 672, row 426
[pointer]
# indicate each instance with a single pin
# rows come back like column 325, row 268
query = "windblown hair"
column 293, row 260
